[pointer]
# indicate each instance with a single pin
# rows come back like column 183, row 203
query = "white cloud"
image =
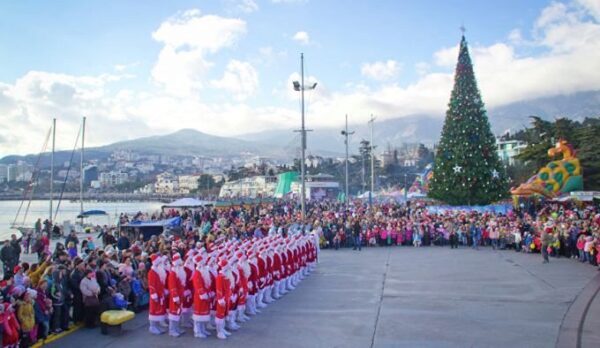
column 289, row 1
column 188, row 38
column 591, row 6
column 302, row 37
column 244, row 6
column 567, row 37
column 381, row 70
column 240, row 78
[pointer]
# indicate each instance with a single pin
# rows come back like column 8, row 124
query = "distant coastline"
column 96, row 197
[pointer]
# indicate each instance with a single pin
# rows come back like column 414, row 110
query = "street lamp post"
column 346, row 133
column 372, row 123
column 405, row 188
column 299, row 86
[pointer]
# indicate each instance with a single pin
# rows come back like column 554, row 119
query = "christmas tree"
column 467, row 170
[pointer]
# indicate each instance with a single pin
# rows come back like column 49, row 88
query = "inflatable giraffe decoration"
column 557, row 177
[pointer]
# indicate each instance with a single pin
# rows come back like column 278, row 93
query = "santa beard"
column 180, row 272
column 205, row 273
column 162, row 274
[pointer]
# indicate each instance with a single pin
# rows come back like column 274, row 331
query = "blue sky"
column 90, row 37
column 225, row 66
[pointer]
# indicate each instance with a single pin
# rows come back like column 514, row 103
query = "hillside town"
column 242, row 176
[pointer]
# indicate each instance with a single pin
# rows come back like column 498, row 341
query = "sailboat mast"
column 52, row 166
column 81, row 165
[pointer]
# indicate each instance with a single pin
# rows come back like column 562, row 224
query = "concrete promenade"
column 404, row 297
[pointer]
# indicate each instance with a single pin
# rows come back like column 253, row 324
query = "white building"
column 509, row 149
column 256, row 186
column 318, row 187
column 112, row 178
column 3, row 172
column 188, row 183
column 166, row 183
column 19, row 172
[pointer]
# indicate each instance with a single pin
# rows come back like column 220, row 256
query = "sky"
column 226, row 67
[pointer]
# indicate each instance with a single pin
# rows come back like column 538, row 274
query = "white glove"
column 262, row 279
column 166, row 292
column 187, row 293
column 154, row 297
column 250, row 286
column 176, row 299
column 204, row 297
column 233, row 298
column 221, row 302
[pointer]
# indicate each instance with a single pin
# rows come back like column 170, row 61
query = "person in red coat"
column 223, row 297
column 276, row 272
column 235, row 286
column 186, row 309
column 176, row 280
column 201, row 280
column 291, row 266
column 244, row 273
column 262, row 274
column 284, row 269
column 157, row 277
column 10, row 336
column 269, row 288
column 252, row 285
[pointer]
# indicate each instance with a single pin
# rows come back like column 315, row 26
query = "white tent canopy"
column 187, row 203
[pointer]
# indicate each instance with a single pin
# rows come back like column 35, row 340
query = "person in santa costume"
column 157, row 277
column 244, row 273
column 276, row 271
column 252, row 285
column 176, row 280
column 235, row 285
column 284, row 268
column 223, row 297
column 213, row 271
column 202, row 282
column 291, row 266
column 186, row 309
column 262, row 279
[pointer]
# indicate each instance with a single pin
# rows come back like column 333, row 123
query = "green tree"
column 589, row 154
column 467, row 169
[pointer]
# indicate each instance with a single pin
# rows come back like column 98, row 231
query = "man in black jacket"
column 74, row 281
column 8, row 256
column 14, row 242
column 356, row 229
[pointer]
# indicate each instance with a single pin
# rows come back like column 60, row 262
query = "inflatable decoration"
column 557, row 177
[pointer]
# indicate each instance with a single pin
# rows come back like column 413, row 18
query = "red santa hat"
column 198, row 259
column 155, row 259
column 176, row 259
column 223, row 263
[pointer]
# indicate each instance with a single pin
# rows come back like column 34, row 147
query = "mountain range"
column 284, row 144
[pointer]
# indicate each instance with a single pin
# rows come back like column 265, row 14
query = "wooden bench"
column 114, row 318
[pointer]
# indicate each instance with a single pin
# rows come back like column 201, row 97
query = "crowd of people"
column 556, row 230
column 223, row 265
